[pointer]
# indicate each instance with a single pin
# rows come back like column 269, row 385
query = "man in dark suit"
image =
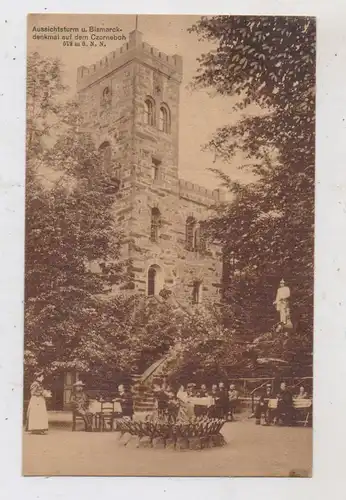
column 285, row 410
column 214, row 410
column 262, row 406
column 223, row 401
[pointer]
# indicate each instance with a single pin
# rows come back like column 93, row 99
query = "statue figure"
column 282, row 303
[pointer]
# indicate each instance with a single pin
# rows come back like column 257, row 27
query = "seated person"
column 302, row 413
column 302, row 393
column 80, row 404
column 202, row 392
column 262, row 409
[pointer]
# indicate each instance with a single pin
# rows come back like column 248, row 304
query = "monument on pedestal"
column 282, row 303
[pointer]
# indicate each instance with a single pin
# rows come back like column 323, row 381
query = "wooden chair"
column 76, row 417
column 106, row 416
column 303, row 407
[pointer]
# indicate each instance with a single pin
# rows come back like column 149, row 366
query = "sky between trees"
column 200, row 112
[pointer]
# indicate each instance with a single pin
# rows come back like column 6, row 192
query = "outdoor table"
column 302, row 403
column 195, row 401
column 273, row 404
column 298, row 404
column 95, row 406
column 95, row 409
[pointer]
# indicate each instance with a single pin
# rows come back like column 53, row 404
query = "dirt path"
column 251, row 451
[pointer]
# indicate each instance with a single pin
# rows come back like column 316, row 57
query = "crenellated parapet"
column 171, row 65
column 199, row 194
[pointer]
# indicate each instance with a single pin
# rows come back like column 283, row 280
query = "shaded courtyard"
column 250, row 451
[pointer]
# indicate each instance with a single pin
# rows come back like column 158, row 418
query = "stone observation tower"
column 130, row 101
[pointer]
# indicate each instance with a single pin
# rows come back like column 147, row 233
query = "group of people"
column 284, row 411
column 216, row 402
column 219, row 401
column 81, row 402
column 37, row 416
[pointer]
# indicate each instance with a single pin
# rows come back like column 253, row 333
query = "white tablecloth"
column 207, row 401
column 297, row 403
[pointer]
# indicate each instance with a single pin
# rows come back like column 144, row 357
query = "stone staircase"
column 143, row 399
column 143, row 395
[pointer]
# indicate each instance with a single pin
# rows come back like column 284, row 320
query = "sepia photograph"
column 169, row 245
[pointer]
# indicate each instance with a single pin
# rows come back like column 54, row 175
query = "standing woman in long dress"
column 37, row 416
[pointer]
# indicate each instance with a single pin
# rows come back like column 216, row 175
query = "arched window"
column 196, row 292
column 154, row 280
column 151, row 280
column 105, row 151
column 155, row 224
column 165, row 119
column 106, row 96
column 149, row 112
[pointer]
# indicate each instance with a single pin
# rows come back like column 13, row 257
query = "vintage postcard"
column 169, row 245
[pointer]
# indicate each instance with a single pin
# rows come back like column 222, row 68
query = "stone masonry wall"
column 179, row 266
column 131, row 74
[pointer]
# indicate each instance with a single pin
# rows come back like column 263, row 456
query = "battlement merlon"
column 202, row 194
column 135, row 48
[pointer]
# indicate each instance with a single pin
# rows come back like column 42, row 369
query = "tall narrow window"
column 106, row 96
column 155, row 224
column 151, row 281
column 196, row 237
column 202, row 236
column 149, row 112
column 165, row 119
column 190, row 233
column 155, row 169
column 196, row 292
column 106, row 154
column 155, row 280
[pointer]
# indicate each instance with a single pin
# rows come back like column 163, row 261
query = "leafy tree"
column 72, row 246
column 267, row 229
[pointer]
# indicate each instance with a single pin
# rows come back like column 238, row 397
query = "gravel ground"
column 250, row 451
